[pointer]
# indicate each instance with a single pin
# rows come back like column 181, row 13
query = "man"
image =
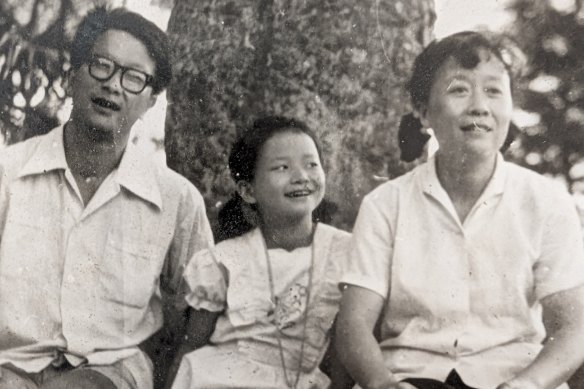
column 92, row 232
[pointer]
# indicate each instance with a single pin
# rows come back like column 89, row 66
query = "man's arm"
column 192, row 234
column 356, row 345
column 199, row 328
column 563, row 351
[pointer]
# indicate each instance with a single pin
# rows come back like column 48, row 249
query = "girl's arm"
column 562, row 354
column 199, row 328
column 356, row 345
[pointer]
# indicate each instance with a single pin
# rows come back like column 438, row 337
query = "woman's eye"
column 493, row 90
column 313, row 164
column 280, row 167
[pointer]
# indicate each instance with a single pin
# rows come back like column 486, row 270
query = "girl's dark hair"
column 466, row 49
column 243, row 158
column 100, row 20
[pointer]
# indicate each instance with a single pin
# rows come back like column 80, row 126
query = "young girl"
column 462, row 257
column 270, row 291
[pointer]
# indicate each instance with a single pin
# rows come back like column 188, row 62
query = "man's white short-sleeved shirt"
column 86, row 280
column 465, row 295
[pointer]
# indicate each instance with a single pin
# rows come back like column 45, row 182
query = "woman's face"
column 289, row 181
column 470, row 109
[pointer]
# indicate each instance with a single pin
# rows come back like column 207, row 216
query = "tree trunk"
column 338, row 66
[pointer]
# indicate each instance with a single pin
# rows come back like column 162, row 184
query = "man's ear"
column 245, row 190
column 149, row 104
column 152, row 100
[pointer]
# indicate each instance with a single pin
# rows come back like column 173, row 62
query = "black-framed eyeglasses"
column 132, row 80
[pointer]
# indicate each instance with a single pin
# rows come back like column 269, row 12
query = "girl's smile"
column 289, row 181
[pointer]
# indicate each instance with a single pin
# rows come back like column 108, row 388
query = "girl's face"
column 470, row 109
column 289, row 181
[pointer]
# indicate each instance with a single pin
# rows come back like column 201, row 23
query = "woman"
column 459, row 257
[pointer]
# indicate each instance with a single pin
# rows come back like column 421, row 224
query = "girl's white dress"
column 243, row 351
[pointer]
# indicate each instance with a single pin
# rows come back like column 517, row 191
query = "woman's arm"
column 332, row 366
column 563, row 351
column 356, row 345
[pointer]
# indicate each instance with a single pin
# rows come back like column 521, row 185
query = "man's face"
column 104, row 108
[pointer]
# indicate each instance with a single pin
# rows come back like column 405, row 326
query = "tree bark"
column 338, row 66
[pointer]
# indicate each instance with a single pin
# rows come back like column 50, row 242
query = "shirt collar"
column 431, row 185
column 139, row 175
column 136, row 171
column 48, row 156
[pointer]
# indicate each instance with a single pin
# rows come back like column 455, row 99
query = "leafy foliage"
column 553, row 85
column 34, row 41
column 338, row 65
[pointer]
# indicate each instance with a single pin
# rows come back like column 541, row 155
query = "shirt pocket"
column 29, row 252
column 131, row 271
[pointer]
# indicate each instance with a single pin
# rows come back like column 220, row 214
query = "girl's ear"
column 245, row 190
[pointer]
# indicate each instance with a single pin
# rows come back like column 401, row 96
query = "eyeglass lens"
column 132, row 80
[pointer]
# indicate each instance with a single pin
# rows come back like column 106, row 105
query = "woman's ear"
column 245, row 190
column 422, row 114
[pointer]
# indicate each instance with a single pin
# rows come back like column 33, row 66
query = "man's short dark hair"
column 100, row 20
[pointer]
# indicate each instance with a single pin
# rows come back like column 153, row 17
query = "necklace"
column 289, row 383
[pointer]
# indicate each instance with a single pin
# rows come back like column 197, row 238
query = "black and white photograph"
column 307, row 194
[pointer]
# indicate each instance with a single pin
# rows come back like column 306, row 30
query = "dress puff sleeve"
column 206, row 282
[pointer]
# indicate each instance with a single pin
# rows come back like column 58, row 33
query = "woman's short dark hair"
column 232, row 219
column 100, row 20
column 464, row 47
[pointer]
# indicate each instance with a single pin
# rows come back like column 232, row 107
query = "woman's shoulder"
column 529, row 185
column 392, row 187
column 333, row 238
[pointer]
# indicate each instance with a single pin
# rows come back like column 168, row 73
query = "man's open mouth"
column 104, row 103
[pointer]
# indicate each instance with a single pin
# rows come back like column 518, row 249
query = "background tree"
column 554, row 84
column 338, row 65
column 553, row 87
column 34, row 42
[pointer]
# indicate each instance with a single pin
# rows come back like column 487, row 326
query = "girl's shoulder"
column 244, row 245
column 330, row 238
column 333, row 231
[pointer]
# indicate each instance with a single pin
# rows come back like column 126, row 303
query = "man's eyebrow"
column 133, row 66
